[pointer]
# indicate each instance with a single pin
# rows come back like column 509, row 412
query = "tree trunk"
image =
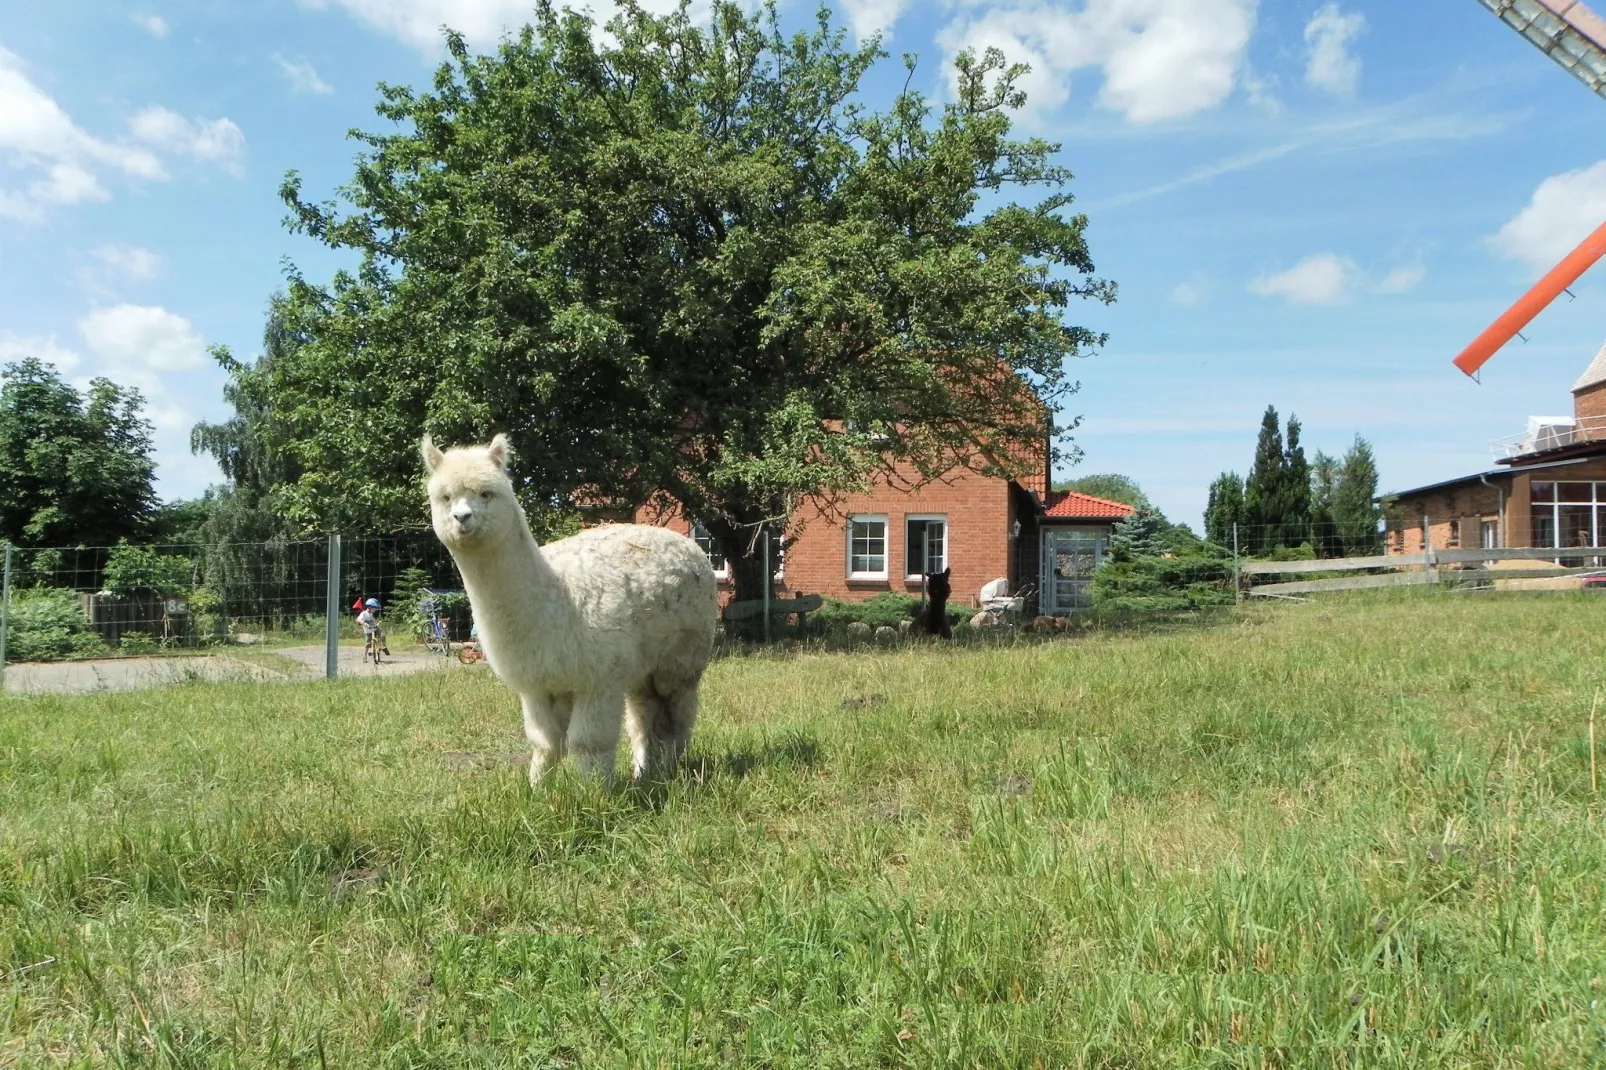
column 744, row 557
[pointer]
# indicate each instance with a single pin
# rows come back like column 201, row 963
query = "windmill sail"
column 1565, row 30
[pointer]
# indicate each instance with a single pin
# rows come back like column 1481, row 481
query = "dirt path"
column 129, row 674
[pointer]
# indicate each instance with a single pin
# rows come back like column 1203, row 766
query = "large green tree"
column 1263, row 489
column 252, row 446
column 75, row 468
column 1224, row 510
column 684, row 259
column 1356, row 512
column 1295, row 498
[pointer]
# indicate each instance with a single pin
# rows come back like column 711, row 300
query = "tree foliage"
column 1356, row 512
column 75, row 468
column 1224, row 509
column 1111, row 486
column 1327, row 506
column 682, row 260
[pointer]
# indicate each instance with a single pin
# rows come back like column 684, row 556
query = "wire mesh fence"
column 62, row 603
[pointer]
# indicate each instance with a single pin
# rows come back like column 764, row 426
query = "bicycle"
column 436, row 636
column 374, row 645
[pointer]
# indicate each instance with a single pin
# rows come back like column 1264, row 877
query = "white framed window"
column 925, row 544
column 702, row 538
column 867, row 548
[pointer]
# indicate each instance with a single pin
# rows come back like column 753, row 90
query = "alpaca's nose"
column 461, row 512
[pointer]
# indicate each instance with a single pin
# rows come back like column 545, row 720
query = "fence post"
column 769, row 578
column 5, row 616
column 1428, row 565
column 332, row 599
column 1237, row 569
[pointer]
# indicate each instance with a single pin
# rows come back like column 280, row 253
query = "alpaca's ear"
column 432, row 455
column 499, row 451
column 947, row 571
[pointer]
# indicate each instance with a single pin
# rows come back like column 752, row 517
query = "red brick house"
column 981, row 526
column 1547, row 489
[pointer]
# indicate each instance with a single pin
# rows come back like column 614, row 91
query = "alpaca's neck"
column 511, row 585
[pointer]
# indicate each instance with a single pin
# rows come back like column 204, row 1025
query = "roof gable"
column 1074, row 505
column 1595, row 374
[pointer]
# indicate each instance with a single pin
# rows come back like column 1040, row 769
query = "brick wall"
column 1454, row 515
column 979, row 513
column 1590, row 401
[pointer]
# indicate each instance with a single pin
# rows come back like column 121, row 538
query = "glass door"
column 1070, row 556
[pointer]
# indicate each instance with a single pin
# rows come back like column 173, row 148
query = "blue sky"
column 1312, row 205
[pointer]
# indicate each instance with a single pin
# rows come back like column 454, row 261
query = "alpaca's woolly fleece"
column 616, row 620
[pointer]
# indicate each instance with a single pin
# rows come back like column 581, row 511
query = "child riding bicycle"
column 373, row 636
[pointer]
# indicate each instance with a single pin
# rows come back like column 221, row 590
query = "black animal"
column 933, row 618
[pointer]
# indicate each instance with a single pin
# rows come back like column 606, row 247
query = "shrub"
column 48, row 624
column 136, row 643
column 886, row 609
column 138, row 568
column 1184, row 581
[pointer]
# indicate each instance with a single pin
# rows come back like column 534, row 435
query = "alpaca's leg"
column 646, row 720
column 546, row 727
column 594, row 732
column 682, row 706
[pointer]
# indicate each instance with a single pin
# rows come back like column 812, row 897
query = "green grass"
column 1345, row 834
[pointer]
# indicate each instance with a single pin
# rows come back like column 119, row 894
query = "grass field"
column 1347, row 834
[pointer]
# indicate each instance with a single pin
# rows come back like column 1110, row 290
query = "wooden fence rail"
column 1405, row 570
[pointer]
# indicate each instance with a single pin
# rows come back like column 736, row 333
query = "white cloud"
column 482, row 22
column 37, row 136
column 867, row 17
column 1563, row 211
column 1331, row 66
column 15, row 347
column 1188, row 295
column 143, row 337
column 129, row 261
column 1402, row 280
column 217, row 141
column 1160, row 59
column 154, row 25
column 1323, row 279
column 303, row 76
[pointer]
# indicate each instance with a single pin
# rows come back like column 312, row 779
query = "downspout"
column 1501, row 491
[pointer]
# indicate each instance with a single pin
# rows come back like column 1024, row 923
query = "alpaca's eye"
column 485, row 494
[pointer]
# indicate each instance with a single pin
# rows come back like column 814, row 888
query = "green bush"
column 886, row 609
column 1183, row 581
column 137, row 568
column 136, row 643
column 48, row 624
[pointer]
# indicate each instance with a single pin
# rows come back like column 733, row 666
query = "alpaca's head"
column 471, row 500
column 938, row 585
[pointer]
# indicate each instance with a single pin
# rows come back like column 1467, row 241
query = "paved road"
column 129, row 674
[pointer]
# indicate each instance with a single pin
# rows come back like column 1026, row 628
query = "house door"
column 1069, row 559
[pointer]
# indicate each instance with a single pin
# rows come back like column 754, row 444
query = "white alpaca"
column 617, row 619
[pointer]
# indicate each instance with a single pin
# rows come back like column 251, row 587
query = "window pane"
column 867, row 547
column 1574, row 492
column 1543, row 492
column 1544, row 528
column 924, row 534
column 701, row 536
column 1575, row 525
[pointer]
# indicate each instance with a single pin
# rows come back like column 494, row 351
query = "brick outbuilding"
column 1547, row 488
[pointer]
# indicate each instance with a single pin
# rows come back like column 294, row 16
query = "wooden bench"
column 753, row 609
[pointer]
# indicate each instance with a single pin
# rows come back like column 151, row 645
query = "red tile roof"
column 1070, row 504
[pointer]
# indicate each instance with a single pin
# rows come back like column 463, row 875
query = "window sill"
column 869, row 581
